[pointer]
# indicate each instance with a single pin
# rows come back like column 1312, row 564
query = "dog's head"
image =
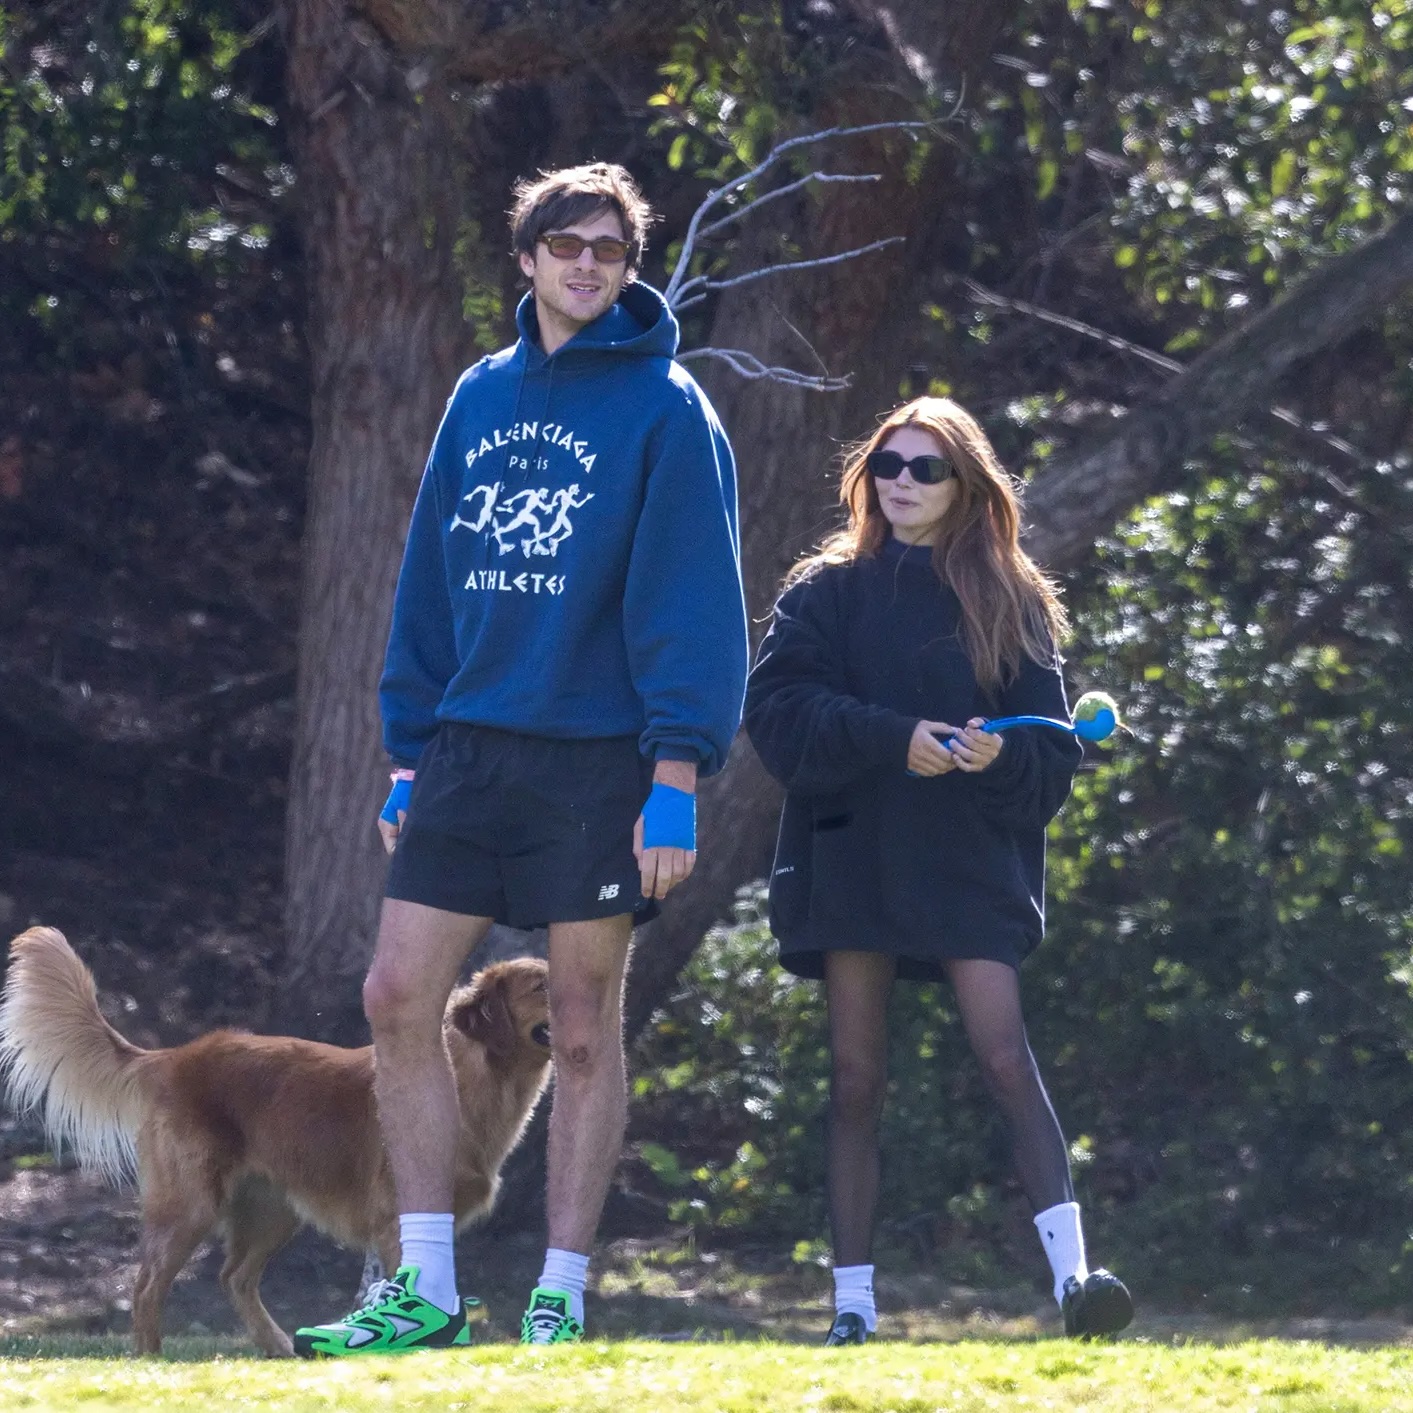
column 506, row 1010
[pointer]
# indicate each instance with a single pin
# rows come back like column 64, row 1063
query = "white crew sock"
column 1063, row 1238
column 853, row 1293
column 566, row 1271
column 427, row 1243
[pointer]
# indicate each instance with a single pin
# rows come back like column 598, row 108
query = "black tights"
column 988, row 997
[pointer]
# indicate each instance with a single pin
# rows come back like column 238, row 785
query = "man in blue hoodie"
column 567, row 658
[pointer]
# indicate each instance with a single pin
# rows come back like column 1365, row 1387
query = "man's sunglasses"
column 607, row 250
column 926, row 470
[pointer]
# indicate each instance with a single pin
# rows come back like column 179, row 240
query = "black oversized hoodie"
column 856, row 655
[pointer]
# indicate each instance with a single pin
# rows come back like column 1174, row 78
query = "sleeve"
column 421, row 655
column 684, row 614
column 809, row 732
column 1029, row 781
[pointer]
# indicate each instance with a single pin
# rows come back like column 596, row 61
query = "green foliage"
column 1260, row 139
column 483, row 300
column 103, row 129
column 729, row 83
column 1233, row 931
column 741, row 1048
column 138, row 152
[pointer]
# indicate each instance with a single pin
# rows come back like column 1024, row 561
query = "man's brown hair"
column 554, row 200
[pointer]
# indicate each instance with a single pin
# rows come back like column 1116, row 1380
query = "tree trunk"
column 378, row 186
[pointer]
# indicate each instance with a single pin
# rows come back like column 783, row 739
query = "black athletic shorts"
column 526, row 830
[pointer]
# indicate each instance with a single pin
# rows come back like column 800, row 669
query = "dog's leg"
column 387, row 1245
column 373, row 1271
column 178, row 1210
column 169, row 1236
column 258, row 1222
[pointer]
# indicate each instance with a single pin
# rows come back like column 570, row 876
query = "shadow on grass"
column 178, row 1349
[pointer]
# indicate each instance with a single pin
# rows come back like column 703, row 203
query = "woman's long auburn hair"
column 1010, row 609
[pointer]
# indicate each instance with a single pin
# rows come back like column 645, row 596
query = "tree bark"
column 386, row 335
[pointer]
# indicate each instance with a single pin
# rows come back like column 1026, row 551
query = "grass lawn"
column 971, row 1374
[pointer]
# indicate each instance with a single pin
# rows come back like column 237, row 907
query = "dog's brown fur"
column 251, row 1135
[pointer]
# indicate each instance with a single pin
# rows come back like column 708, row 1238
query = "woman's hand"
column 974, row 749
column 926, row 754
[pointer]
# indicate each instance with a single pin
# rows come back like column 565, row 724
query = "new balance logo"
column 609, row 890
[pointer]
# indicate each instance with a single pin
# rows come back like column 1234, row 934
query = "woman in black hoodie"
column 912, row 843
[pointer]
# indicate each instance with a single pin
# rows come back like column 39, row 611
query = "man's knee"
column 586, row 1032
column 395, row 1003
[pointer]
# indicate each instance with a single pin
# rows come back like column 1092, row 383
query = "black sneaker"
column 847, row 1328
column 1101, row 1306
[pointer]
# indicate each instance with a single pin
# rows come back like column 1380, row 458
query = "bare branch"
column 747, row 365
column 1315, row 436
column 1048, row 316
column 813, row 351
column 714, row 198
column 701, row 284
column 1087, row 487
column 707, row 231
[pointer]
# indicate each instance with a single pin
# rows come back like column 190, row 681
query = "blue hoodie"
column 573, row 563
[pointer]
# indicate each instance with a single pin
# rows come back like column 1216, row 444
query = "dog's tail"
column 57, row 1051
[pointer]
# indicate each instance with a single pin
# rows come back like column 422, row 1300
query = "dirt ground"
column 67, row 1247
column 68, row 1242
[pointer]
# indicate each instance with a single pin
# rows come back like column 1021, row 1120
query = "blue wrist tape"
column 398, row 797
column 669, row 818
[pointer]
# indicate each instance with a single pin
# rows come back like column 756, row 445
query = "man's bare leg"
column 587, row 961
column 419, row 954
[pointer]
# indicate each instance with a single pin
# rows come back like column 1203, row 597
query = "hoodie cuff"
column 896, row 739
column 1008, row 768
column 677, row 753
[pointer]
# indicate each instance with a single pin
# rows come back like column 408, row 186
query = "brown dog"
column 251, row 1135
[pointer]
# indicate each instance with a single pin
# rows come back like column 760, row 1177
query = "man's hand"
column 394, row 812
column 975, row 749
column 926, row 754
column 663, row 867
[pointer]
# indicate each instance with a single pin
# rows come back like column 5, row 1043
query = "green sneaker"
column 393, row 1320
column 548, row 1320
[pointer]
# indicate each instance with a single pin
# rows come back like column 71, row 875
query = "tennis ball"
column 1096, row 716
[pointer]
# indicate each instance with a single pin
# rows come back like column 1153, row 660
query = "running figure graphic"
column 523, row 510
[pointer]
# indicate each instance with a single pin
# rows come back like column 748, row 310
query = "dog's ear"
column 484, row 1015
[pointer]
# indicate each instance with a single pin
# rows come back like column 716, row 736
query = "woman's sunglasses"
column 607, row 250
column 926, row 470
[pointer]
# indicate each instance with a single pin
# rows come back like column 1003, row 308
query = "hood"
column 639, row 325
